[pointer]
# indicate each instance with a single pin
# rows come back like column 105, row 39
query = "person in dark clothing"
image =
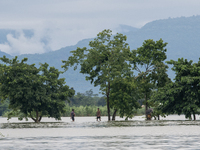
column 148, row 113
column 72, row 115
column 98, row 115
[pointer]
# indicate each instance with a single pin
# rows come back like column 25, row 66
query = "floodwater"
column 172, row 132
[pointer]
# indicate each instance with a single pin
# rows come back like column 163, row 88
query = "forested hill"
column 182, row 35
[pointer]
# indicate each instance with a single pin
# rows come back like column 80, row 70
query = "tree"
column 160, row 79
column 183, row 95
column 101, row 101
column 148, row 61
column 124, row 95
column 35, row 92
column 104, row 63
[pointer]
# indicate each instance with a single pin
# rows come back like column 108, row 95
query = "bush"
column 86, row 110
column 91, row 111
column 140, row 112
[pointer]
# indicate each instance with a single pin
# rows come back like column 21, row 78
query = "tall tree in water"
column 105, row 62
column 148, row 60
column 182, row 96
column 32, row 91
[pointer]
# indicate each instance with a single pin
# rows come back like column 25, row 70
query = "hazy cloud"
column 61, row 23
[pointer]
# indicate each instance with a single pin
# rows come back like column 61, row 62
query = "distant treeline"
column 87, row 99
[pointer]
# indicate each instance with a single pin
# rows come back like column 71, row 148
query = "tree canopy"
column 182, row 95
column 35, row 92
column 106, row 61
column 148, row 60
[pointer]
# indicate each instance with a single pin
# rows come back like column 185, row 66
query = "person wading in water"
column 72, row 115
column 98, row 115
column 148, row 113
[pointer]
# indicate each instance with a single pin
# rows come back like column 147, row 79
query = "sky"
column 65, row 22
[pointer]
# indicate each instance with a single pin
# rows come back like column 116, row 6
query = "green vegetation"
column 106, row 64
column 183, row 95
column 85, row 110
column 4, row 107
column 82, row 107
column 87, row 99
column 150, row 56
column 91, row 111
column 33, row 92
column 181, row 34
column 109, row 63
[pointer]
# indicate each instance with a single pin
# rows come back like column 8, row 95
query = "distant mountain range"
column 182, row 35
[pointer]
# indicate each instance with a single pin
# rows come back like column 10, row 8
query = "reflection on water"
column 172, row 132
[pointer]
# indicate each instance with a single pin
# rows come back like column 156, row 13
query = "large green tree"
column 124, row 95
column 183, row 95
column 160, row 79
column 105, row 62
column 148, row 60
column 35, row 92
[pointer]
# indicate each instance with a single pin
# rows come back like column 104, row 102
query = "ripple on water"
column 134, row 134
column 103, row 142
column 104, row 124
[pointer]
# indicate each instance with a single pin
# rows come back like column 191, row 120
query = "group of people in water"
column 98, row 114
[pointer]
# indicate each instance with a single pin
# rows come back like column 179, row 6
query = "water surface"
column 172, row 132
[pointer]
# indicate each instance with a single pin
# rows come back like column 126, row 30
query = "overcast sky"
column 65, row 22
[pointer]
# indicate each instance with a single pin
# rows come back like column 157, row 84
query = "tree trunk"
column 108, row 103
column 194, row 116
column 32, row 118
column 158, row 117
column 114, row 114
column 37, row 117
column 40, row 118
column 146, row 107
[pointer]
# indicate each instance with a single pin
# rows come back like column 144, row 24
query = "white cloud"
column 22, row 45
column 65, row 22
column 5, row 48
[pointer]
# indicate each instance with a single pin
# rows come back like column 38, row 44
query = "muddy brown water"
column 172, row 132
